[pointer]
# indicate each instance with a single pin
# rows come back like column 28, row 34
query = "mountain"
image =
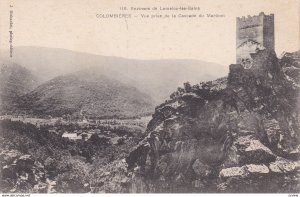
column 239, row 133
column 15, row 81
column 158, row 78
column 88, row 94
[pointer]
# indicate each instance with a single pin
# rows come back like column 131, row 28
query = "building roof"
column 72, row 136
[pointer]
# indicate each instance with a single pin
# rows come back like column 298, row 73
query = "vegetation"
column 206, row 90
column 71, row 164
column 93, row 96
column 15, row 81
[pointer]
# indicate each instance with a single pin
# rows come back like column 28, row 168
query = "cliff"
column 234, row 134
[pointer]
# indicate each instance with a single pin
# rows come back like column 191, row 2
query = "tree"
column 173, row 95
column 187, row 87
column 180, row 90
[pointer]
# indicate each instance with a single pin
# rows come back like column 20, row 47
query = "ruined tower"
column 253, row 33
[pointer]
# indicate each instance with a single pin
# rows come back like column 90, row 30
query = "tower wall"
column 269, row 37
column 249, row 28
column 253, row 33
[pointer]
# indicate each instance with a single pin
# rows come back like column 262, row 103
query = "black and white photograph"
column 149, row 96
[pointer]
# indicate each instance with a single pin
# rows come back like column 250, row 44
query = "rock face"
column 226, row 135
column 253, row 151
column 22, row 173
column 291, row 66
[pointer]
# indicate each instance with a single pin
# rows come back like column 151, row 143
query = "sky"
column 73, row 25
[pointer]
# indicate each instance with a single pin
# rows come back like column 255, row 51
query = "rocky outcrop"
column 112, row 178
column 224, row 135
column 22, row 174
column 290, row 63
column 253, row 151
column 8, row 156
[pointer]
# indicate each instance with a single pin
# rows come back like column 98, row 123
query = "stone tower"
column 253, row 33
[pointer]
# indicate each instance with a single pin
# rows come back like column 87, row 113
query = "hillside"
column 15, row 81
column 234, row 134
column 85, row 94
column 158, row 78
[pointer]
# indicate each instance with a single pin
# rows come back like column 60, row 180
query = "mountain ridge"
column 15, row 81
column 158, row 78
column 79, row 94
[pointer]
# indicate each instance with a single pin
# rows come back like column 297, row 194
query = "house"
column 72, row 136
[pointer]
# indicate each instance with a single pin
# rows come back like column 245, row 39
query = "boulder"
column 252, row 151
column 233, row 172
column 282, row 165
column 257, row 169
column 274, row 168
column 257, row 145
column 244, row 171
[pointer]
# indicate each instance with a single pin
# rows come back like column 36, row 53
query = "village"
column 113, row 130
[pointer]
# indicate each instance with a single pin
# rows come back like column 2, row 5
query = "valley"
column 53, row 148
column 84, row 132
